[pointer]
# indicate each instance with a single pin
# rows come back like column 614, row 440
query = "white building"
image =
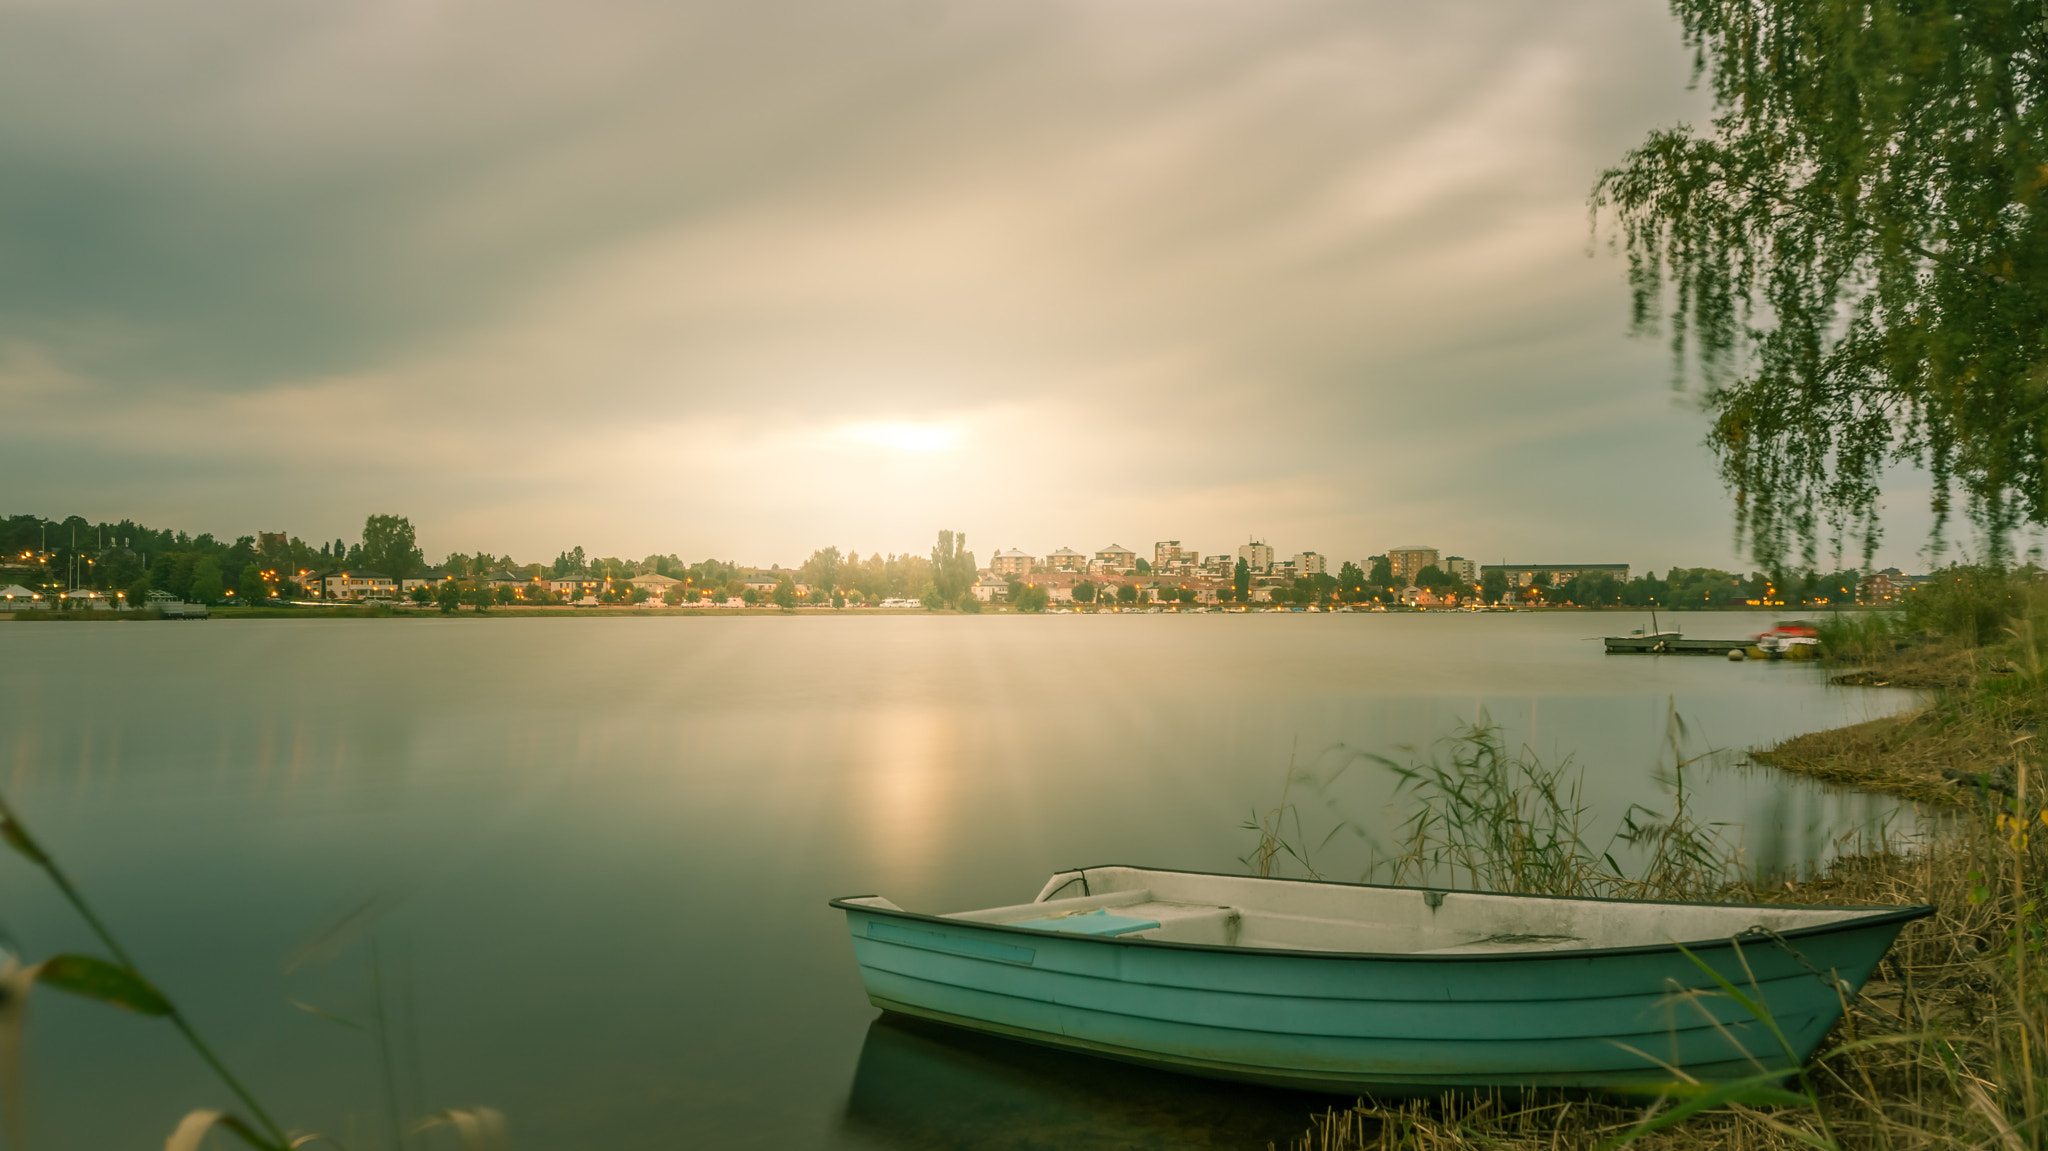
column 430, row 579
column 1310, row 563
column 989, row 586
column 1259, row 556
column 1461, row 569
column 358, row 585
column 1166, row 554
column 16, row 597
column 574, row 588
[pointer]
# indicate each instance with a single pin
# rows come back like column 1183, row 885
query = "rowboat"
column 1361, row 988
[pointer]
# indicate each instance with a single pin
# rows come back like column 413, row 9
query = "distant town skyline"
column 807, row 274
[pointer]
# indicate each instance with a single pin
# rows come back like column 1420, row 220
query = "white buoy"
column 1735, row 655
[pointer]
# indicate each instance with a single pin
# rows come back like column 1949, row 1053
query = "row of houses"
column 359, row 584
column 1168, row 558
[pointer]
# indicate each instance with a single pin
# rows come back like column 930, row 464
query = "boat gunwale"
column 1877, row 917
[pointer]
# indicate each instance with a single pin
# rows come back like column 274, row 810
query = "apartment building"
column 1115, row 557
column 1258, row 556
column 1011, row 564
column 1409, row 561
column 1523, row 575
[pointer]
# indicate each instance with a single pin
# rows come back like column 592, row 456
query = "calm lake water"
column 588, row 859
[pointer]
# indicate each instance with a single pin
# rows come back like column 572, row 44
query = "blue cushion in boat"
column 1096, row 922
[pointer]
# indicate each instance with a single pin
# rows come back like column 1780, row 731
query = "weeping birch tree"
column 1852, row 259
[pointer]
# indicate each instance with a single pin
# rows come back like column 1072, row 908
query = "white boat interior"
column 1296, row 915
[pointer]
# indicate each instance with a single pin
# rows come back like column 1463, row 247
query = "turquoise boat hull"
column 1362, row 1022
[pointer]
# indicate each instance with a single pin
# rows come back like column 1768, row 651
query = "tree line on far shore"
column 129, row 558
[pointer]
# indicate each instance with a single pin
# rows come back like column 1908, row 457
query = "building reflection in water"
column 921, row 1085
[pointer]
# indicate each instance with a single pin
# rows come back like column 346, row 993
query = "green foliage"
column 1127, row 593
column 1241, row 579
column 821, row 571
column 1488, row 819
column 1494, row 586
column 448, row 597
column 96, row 979
column 1972, row 605
column 1144, row 566
column 1084, row 591
column 784, row 593
column 1855, row 257
column 389, row 546
column 1351, row 583
column 1435, row 579
column 206, row 581
column 953, row 569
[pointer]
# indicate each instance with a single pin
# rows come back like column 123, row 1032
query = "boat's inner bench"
column 1125, row 914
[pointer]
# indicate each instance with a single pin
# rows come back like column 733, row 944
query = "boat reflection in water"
column 924, row 1085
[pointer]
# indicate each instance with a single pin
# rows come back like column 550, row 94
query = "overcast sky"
column 748, row 279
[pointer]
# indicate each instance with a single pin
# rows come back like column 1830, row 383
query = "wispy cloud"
column 748, row 279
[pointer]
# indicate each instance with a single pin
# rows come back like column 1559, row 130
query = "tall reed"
column 1945, row 1048
column 1487, row 818
column 119, row 982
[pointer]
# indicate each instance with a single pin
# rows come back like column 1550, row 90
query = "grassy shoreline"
column 1947, row 1045
column 610, row 611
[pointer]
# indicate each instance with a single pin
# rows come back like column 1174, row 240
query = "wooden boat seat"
column 1096, row 922
column 1112, row 912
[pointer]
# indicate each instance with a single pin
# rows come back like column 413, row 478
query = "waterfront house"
column 989, row 586
column 357, row 584
column 15, row 597
column 654, row 583
column 430, row 579
column 574, row 588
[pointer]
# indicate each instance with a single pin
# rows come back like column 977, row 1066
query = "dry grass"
column 1918, row 756
column 1953, row 1023
column 1947, row 1046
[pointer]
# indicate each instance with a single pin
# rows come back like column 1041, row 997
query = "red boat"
column 1787, row 636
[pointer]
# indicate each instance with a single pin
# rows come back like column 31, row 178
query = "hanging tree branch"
column 1853, row 257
